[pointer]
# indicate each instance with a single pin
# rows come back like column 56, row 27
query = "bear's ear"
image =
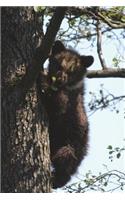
column 57, row 47
column 87, row 60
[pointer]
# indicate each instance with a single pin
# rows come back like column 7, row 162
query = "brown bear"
column 68, row 124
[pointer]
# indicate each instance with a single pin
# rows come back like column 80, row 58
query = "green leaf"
column 117, row 149
column 115, row 62
column 109, row 147
column 110, row 152
column 123, row 149
column 39, row 8
column 102, row 189
column 105, row 184
column 118, row 155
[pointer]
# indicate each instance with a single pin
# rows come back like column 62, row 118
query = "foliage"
column 109, row 181
column 115, row 152
column 104, row 100
column 81, row 21
column 115, row 13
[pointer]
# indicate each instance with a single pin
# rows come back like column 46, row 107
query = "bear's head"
column 67, row 66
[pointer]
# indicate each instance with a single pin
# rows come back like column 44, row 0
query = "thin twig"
column 77, row 187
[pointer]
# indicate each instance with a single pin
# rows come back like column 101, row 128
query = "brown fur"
column 68, row 124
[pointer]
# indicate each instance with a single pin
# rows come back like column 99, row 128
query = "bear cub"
column 68, row 124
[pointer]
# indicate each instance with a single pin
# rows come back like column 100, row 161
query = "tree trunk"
column 25, row 154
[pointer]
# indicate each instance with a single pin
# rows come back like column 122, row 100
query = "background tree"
column 25, row 47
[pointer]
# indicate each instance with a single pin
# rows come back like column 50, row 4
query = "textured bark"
column 25, row 146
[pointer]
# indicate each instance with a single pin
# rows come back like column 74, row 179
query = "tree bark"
column 25, row 165
column 107, row 73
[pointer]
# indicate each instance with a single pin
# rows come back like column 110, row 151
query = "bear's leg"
column 60, row 178
column 64, row 163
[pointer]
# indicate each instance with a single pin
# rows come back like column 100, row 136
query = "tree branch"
column 95, row 12
column 114, row 179
column 43, row 50
column 107, row 73
column 111, row 24
column 99, row 45
column 77, row 37
column 41, row 54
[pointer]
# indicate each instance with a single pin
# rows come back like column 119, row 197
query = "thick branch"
column 41, row 53
column 107, row 73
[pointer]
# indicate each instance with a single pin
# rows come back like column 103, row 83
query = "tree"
column 25, row 47
column 25, row 145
